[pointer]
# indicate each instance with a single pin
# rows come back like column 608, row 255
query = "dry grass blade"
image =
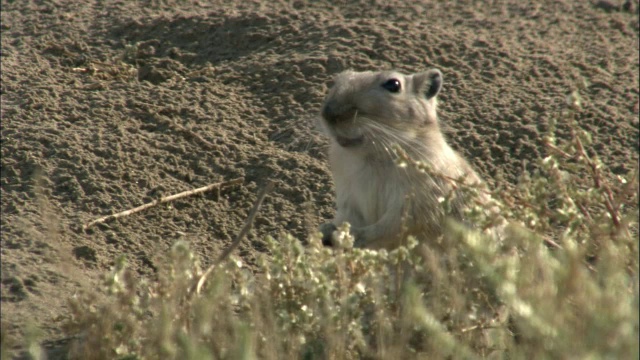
column 162, row 200
column 245, row 229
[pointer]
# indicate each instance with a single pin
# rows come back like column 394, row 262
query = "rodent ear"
column 430, row 82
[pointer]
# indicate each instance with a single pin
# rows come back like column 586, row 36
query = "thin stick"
column 245, row 229
column 163, row 200
column 480, row 327
column 601, row 183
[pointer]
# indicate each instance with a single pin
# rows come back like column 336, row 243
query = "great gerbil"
column 364, row 115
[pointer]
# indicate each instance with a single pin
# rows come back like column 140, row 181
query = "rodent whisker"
column 389, row 136
column 355, row 117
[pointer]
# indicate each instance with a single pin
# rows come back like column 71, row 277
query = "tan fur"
column 363, row 120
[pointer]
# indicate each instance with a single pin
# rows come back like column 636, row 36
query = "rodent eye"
column 393, row 85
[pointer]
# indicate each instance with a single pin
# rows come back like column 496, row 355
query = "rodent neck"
column 429, row 147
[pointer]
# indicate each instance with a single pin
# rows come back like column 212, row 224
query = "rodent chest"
column 368, row 192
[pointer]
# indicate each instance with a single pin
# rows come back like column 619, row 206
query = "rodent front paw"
column 327, row 234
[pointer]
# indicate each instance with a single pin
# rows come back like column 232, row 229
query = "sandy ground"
column 107, row 105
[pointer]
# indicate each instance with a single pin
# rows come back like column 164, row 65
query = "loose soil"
column 107, row 105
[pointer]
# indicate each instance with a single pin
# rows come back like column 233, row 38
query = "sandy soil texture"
column 107, row 105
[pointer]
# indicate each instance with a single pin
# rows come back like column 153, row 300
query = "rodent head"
column 376, row 108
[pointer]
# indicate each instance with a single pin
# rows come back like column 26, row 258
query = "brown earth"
column 107, row 105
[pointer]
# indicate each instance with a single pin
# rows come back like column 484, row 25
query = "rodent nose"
column 329, row 113
column 334, row 113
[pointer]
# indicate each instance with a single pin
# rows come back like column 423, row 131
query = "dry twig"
column 600, row 183
column 245, row 229
column 163, row 200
